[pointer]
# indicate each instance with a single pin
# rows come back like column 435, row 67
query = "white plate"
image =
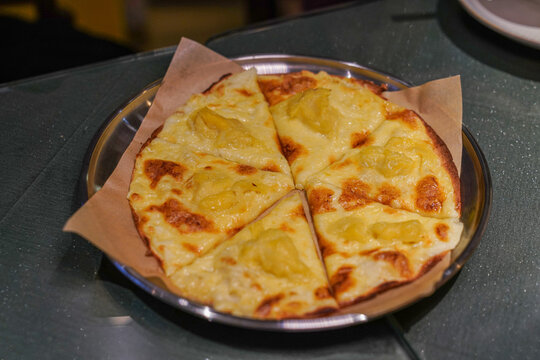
column 517, row 19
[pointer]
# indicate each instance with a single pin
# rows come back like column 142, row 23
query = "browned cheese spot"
column 265, row 307
column 326, row 247
column 322, row 292
column 387, row 193
column 256, row 286
column 369, row 251
column 208, row 167
column 228, row 260
column 183, row 220
column 191, row 248
column 342, row 164
column 271, row 166
column 244, row 92
column 320, row 200
column 398, row 260
column 429, row 197
column 299, row 212
column 408, row 117
column 341, row 281
column 276, row 90
column 245, row 169
column 354, row 194
column 233, row 231
column 359, row 139
column 156, row 169
column 291, row 149
column 441, row 230
column 176, row 191
column 135, row 197
column 285, row 227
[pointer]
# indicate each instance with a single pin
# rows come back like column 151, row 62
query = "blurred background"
column 41, row 36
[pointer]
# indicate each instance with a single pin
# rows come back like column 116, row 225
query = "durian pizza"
column 213, row 195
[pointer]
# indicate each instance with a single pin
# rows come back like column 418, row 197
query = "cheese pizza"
column 270, row 269
column 381, row 185
column 319, row 117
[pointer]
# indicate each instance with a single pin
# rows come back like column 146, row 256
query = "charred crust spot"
column 397, row 259
column 429, row 197
column 149, row 140
column 387, row 193
column 409, row 117
column 156, row 169
column 322, row 292
column 354, row 194
column 184, row 221
column 228, row 260
column 432, row 261
column 441, row 230
column 211, row 87
column 320, row 200
column 428, row 265
column 291, row 149
column 265, row 307
column 359, row 139
column 342, row 280
column 448, row 163
column 191, row 248
column 245, row 169
column 277, row 90
column 244, row 92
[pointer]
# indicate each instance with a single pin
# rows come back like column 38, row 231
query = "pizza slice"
column 184, row 203
column 269, row 270
column 230, row 120
column 319, row 117
column 403, row 164
column 370, row 247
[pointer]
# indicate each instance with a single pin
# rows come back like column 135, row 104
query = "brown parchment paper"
column 106, row 220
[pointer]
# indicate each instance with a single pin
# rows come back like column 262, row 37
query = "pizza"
column 319, row 117
column 212, row 194
column 369, row 247
column 270, row 269
column 185, row 203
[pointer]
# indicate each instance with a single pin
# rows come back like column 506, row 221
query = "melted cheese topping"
column 374, row 244
column 231, row 121
column 185, row 215
column 269, row 270
column 401, row 168
column 320, row 124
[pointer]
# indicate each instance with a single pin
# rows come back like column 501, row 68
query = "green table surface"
column 61, row 298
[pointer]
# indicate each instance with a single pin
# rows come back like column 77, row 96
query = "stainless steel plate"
column 118, row 130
